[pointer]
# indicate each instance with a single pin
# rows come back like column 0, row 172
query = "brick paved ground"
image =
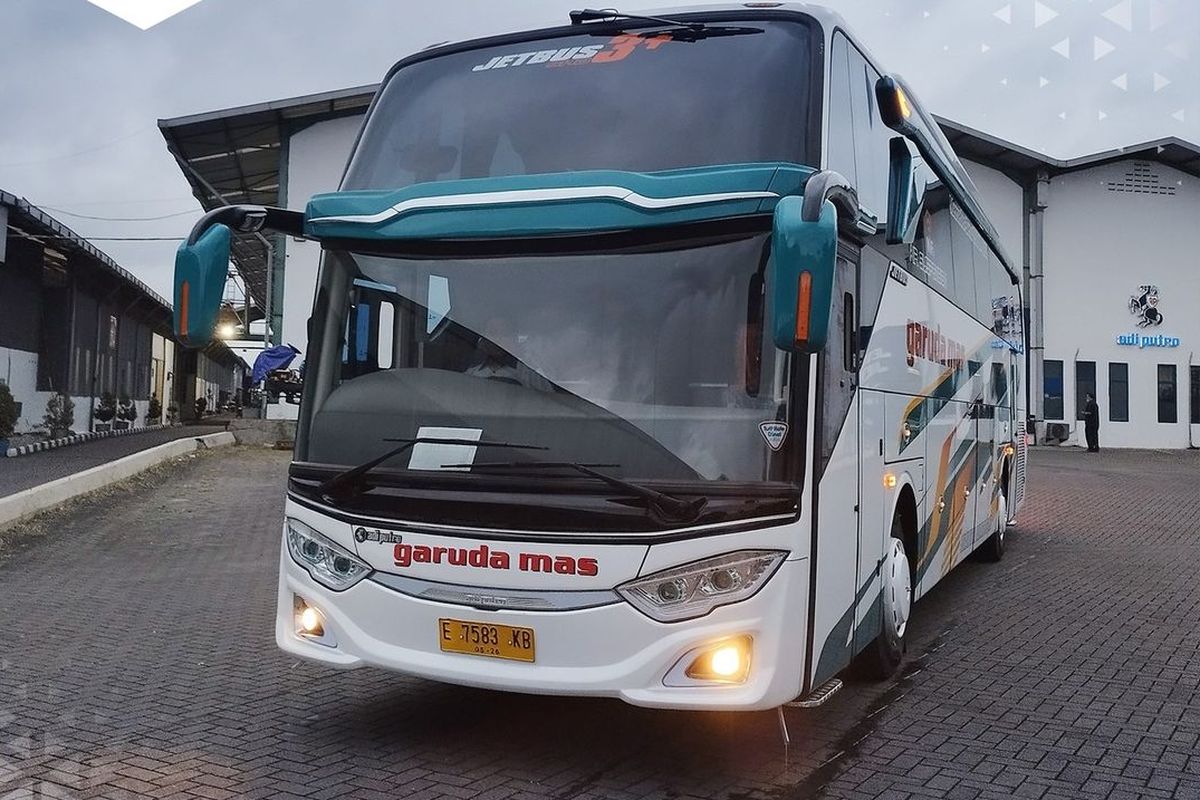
column 24, row 472
column 137, row 659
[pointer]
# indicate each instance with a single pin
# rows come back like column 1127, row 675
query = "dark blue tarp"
column 278, row 357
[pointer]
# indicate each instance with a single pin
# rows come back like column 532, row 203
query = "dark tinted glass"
column 1167, row 401
column 641, row 102
column 870, row 137
column 963, row 263
column 653, row 361
column 1052, row 391
column 1118, row 392
column 1085, row 384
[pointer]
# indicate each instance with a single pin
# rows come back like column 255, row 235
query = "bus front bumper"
column 608, row 651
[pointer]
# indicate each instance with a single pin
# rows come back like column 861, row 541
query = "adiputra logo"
column 145, row 14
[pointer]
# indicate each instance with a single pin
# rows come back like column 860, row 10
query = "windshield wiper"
column 687, row 31
column 664, row 505
column 354, row 475
column 594, row 15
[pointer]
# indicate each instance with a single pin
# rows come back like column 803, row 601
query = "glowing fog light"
column 310, row 621
column 726, row 661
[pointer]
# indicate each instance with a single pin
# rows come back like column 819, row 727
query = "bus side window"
column 871, row 137
column 962, row 263
column 840, row 157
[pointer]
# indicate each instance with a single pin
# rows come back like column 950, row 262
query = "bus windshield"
column 650, row 363
column 634, row 101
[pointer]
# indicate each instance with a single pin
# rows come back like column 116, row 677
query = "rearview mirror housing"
column 200, row 271
column 804, row 256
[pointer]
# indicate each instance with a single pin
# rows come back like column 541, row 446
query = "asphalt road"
column 24, row 472
column 137, row 659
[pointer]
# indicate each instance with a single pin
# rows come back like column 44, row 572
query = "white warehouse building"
column 1109, row 244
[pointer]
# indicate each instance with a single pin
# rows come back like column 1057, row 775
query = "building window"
column 1052, row 389
column 1118, row 392
column 1167, row 411
column 1085, row 384
column 1195, row 390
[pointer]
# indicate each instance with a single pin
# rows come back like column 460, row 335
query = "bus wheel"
column 993, row 548
column 884, row 654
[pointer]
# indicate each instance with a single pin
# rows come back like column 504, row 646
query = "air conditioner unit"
column 1057, row 432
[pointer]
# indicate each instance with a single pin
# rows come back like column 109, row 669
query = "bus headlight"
column 695, row 589
column 329, row 564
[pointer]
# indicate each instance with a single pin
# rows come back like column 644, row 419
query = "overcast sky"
column 81, row 90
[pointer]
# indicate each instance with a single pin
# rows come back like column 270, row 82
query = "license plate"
column 485, row 639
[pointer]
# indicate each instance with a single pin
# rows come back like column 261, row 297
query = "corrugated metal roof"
column 233, row 157
column 61, row 237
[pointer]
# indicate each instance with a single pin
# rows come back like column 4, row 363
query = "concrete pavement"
column 138, row 660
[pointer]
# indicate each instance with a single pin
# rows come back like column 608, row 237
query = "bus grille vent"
column 1141, row 179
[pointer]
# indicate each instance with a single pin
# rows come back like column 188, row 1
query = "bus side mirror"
column 804, row 258
column 200, row 271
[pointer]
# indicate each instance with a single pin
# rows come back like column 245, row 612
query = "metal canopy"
column 234, row 157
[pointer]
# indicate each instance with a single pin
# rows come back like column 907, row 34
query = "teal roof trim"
column 553, row 204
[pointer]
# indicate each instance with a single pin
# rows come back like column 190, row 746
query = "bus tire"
column 993, row 549
column 883, row 656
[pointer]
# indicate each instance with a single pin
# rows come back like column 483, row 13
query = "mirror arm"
column 831, row 186
column 250, row 219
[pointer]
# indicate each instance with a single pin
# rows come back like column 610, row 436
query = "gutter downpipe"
column 1036, row 243
column 1191, row 439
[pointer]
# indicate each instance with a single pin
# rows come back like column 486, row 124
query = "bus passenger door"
column 836, row 474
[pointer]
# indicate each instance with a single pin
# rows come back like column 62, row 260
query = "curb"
column 38, row 447
column 25, row 503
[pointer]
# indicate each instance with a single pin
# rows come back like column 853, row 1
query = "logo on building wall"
column 1144, row 305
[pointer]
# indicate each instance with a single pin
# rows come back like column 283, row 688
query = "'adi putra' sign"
column 1140, row 341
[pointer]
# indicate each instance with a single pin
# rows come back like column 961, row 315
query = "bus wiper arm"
column 354, row 475
column 593, row 15
column 667, row 506
column 682, row 31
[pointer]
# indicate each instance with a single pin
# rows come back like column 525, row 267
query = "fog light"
column 309, row 622
column 726, row 662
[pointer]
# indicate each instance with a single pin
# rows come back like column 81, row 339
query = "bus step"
column 818, row 698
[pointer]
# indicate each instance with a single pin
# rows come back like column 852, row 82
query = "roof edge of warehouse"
column 62, row 234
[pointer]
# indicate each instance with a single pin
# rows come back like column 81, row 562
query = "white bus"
column 668, row 358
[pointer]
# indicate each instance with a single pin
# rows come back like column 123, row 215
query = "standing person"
column 1091, row 423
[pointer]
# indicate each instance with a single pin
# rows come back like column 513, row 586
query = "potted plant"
column 106, row 411
column 9, row 414
column 129, row 413
column 121, row 420
column 60, row 416
column 172, row 414
column 154, row 412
